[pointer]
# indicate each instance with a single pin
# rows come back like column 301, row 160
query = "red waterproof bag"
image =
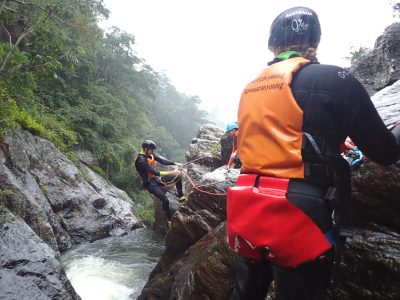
column 261, row 217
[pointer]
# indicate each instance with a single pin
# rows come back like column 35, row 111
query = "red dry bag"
column 259, row 216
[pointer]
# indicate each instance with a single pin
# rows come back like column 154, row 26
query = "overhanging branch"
column 2, row 6
column 13, row 47
column 41, row 8
column 9, row 35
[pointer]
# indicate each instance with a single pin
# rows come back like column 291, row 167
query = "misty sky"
column 212, row 48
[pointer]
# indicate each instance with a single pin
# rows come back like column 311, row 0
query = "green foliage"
column 59, row 133
column 4, row 196
column 63, row 78
column 6, row 193
column 43, row 189
column 145, row 207
column 29, row 123
column 358, row 54
column 8, row 110
column 99, row 171
column 5, row 219
column 45, row 125
column 12, row 116
column 18, row 81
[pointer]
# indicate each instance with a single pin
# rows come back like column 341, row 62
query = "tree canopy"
column 63, row 77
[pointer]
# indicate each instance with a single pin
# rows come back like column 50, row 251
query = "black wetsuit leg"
column 170, row 179
column 308, row 281
column 160, row 194
column 252, row 277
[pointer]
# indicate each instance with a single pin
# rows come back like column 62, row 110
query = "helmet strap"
column 288, row 54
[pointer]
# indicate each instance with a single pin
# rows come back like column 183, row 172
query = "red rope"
column 200, row 190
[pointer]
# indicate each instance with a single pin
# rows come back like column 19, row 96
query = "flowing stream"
column 113, row 268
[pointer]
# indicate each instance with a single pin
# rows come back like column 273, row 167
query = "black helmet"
column 148, row 144
column 295, row 26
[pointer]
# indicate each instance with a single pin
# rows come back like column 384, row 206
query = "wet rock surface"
column 371, row 265
column 56, row 206
column 387, row 102
column 29, row 268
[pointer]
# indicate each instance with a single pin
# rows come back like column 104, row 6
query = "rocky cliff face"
column 380, row 68
column 197, row 263
column 47, row 205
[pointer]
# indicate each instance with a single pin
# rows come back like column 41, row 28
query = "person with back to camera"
column 294, row 184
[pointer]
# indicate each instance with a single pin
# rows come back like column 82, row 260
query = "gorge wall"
column 47, row 205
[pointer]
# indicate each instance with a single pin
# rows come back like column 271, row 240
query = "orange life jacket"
column 271, row 122
column 152, row 163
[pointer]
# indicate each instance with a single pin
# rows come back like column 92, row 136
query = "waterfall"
column 113, row 268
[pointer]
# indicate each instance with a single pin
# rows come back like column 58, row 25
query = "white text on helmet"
column 298, row 12
column 299, row 25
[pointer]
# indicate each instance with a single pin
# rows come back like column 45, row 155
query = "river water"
column 113, row 268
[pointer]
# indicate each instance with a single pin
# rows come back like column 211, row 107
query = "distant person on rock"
column 155, row 181
column 229, row 141
column 293, row 117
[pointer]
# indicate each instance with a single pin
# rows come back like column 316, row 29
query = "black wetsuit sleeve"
column 163, row 160
column 368, row 131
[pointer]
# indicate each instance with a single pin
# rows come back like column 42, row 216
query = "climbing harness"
column 167, row 183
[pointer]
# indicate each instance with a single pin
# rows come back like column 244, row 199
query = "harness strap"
column 314, row 145
column 319, row 145
column 331, row 195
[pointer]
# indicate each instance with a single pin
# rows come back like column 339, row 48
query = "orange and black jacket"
column 330, row 104
column 146, row 170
